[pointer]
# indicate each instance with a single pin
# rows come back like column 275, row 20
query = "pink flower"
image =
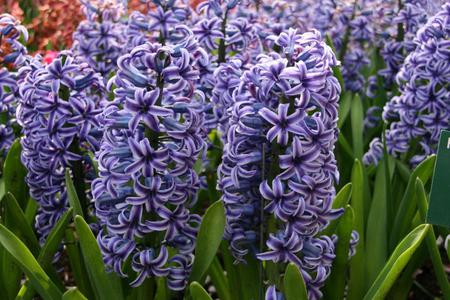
column 50, row 56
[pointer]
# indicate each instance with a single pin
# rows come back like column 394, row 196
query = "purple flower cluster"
column 158, row 25
column 411, row 17
column 8, row 101
column 11, row 49
column 100, row 38
column 57, row 110
column 421, row 111
column 147, row 182
column 278, row 166
column 12, row 55
column 273, row 294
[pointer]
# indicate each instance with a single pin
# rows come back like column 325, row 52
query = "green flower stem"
column 78, row 176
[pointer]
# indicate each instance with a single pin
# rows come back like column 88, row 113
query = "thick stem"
column 222, row 47
column 78, row 176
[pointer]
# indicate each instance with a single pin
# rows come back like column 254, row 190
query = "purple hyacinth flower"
column 280, row 203
column 282, row 123
column 300, row 161
column 283, row 248
column 143, row 107
column 146, row 264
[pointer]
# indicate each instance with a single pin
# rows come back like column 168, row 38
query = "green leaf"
column 397, row 262
column 407, row 208
column 54, row 239
column 106, row 285
column 335, row 287
column 357, row 265
column 345, row 104
column 77, row 264
column 403, row 284
column 198, row 292
column 403, row 170
column 52, row 244
column 24, row 258
column 208, row 239
column 14, row 175
column 16, row 221
column 72, row 195
column 73, row 294
column 294, row 285
column 340, row 201
column 433, row 249
column 357, row 118
column 376, row 232
column 219, row 280
column 232, row 271
column 10, row 274
column 249, row 278
column 344, row 144
column 30, row 211
column 19, row 225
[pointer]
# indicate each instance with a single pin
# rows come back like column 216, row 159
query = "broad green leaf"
column 397, row 262
column 340, row 201
column 198, row 292
column 77, row 264
column 335, row 286
column 357, row 282
column 403, row 284
column 14, row 175
column 294, row 285
column 407, row 208
column 15, row 220
column 343, row 196
column 52, row 244
column 106, row 285
column 53, row 241
column 208, row 239
column 376, row 234
column 433, row 249
column 73, row 294
column 232, row 271
column 24, row 258
column 345, row 104
column 72, row 195
column 344, row 144
column 219, row 279
column 10, row 274
column 357, row 118
column 249, row 277
column 403, row 170
column 18, row 224
column 30, row 211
